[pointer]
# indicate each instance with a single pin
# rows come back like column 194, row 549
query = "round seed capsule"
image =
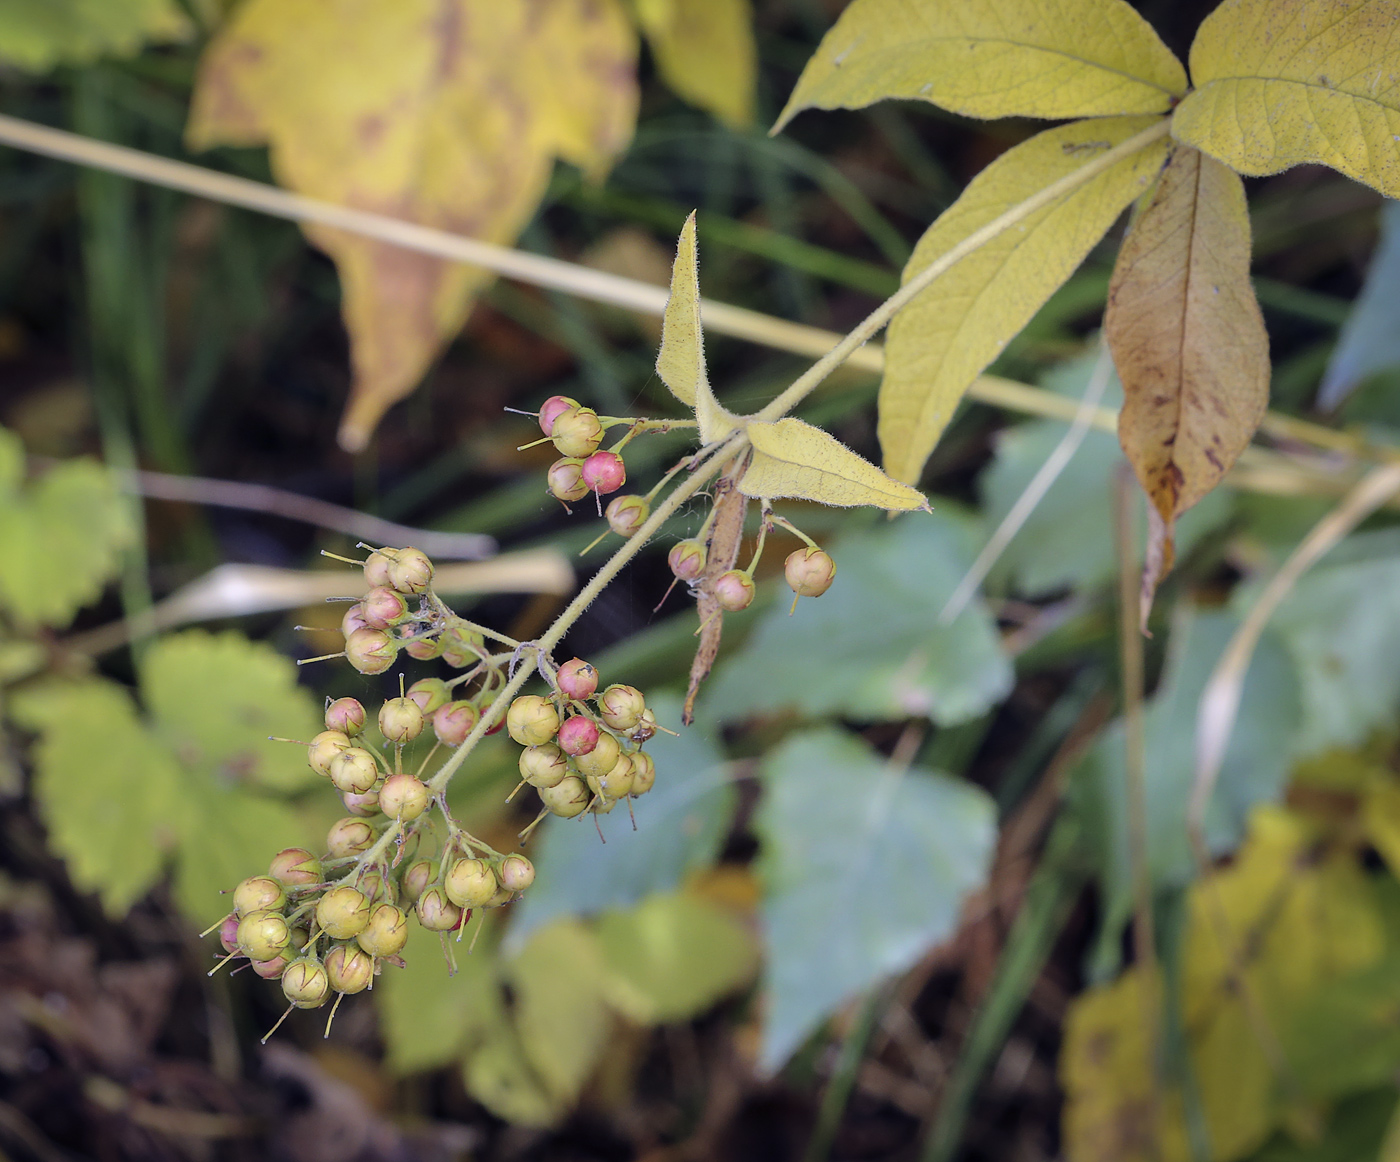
column 532, row 720
column 349, row 969
column 305, row 983
column 387, row 931
column 470, row 883
column 295, row 867
column 544, row 765
column 324, row 747
column 354, row 770
column 257, row 894
column 602, row 758
column 517, row 873
column 567, row 798
column 403, row 797
column 400, row 720
column 436, row 912
column 342, row 912
column 349, row 836
column 621, row 707
column 263, row 935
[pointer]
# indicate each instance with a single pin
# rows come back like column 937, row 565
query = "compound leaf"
column 39, row 36
column 1281, row 83
column 793, row 459
column 996, row 58
column 947, row 335
column 705, row 52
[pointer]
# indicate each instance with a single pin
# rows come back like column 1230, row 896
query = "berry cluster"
column 583, row 467
column 809, row 571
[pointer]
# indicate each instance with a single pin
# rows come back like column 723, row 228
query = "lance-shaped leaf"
column 1285, row 82
column 794, row 459
column 705, row 53
column 995, row 58
column 1188, row 341
column 444, row 112
column 948, row 334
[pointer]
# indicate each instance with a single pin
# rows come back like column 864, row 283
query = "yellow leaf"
column 1188, row 341
column 792, row 458
column 444, row 112
column 705, row 53
column 1284, row 82
column 948, row 334
column 992, row 58
column 37, row 36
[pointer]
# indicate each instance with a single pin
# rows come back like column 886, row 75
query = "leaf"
column 945, row 337
column 499, row 1076
column 63, row 535
column 445, row 112
column 705, row 53
column 681, row 823
column 864, row 867
column 38, row 36
column 872, row 647
column 793, row 459
column 1281, row 83
column 1369, row 341
column 672, row 957
column 996, row 58
column 1188, row 341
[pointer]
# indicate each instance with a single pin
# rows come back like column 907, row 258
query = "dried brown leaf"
column 726, row 533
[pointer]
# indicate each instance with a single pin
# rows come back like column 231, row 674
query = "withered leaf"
column 726, row 533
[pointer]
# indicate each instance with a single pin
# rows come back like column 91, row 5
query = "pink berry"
column 453, row 722
column 577, row 680
column 687, row 559
column 382, row 607
column 604, row 472
column 565, row 480
column 578, row 735
column 345, row 715
column 734, row 590
column 550, row 409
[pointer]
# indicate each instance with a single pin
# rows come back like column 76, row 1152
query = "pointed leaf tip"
column 794, row 459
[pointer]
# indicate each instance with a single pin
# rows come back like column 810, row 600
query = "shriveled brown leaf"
column 1189, row 343
column 726, row 533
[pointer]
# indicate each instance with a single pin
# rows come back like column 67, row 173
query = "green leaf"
column 995, row 58
column 794, row 459
column 498, row 1075
column 672, row 957
column 37, row 36
column 1369, row 341
column 872, row 646
column 864, row 867
column 947, row 335
column 107, row 791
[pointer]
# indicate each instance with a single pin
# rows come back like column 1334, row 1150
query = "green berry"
column 577, row 432
column 416, row 877
column 259, row 894
column 377, row 567
column 621, row 706
column 295, row 867
column 517, row 873
column 809, row 572
column 411, row 571
column 349, row 969
column 470, row 883
column 436, row 912
column 354, row 770
column 271, row 969
column 371, row 651
column 567, row 798
column 643, row 773
column 565, row 480
column 263, row 935
column 602, row 758
column 544, row 765
column 346, row 715
column 403, row 797
column 324, row 747
column 400, row 720
column 364, row 804
column 626, row 514
column 305, row 983
column 387, row 931
column 428, row 694
column 342, row 912
column 532, row 720
column 349, row 837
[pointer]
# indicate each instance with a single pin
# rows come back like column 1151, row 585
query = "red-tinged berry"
column 428, row 694
column 453, row 722
column 543, row 766
column 263, row 935
column 576, row 432
column 424, row 649
column 565, row 480
column 403, row 797
column 621, row 707
column 567, row 798
column 346, row 715
column 228, row 932
column 349, row 969
column 470, row 883
column 461, row 647
column 354, row 770
column 354, row 619
column 416, row 877
column 435, row 911
column 687, row 560
column 517, row 873
column 324, row 747
column 643, row 773
column 305, row 983
column 400, row 721
column 532, row 720
column 734, row 590
column 577, row 680
column 387, row 931
column 342, row 912
column 411, row 571
column 578, row 735
column 551, row 409
column 602, row 758
column 371, row 651
column 377, row 567
column 364, row 804
column 382, row 607
column 271, row 969
column 809, row 571
column 349, row 836
column 259, row 894
column 604, row 472
column 626, row 514
column 295, row 867
column 497, row 724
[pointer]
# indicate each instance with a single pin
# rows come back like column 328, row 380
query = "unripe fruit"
column 576, row 432
column 377, row 567
column 349, row 837
column 259, row 894
column 645, row 728
column 354, row 619
column 517, row 873
column 643, row 773
column 470, row 883
column 386, row 933
column 375, row 888
column 411, row 571
column 263, row 935
column 424, row 649
column 364, row 805
column 551, row 409
column 382, row 607
column 349, row 969
column 687, row 559
column 577, row 679
column 502, row 897
column 617, row 783
column 601, row 806
column 371, row 651
column 543, row 766
column 565, row 480
column 461, row 647
column 354, row 770
column 403, row 797
column 626, row 514
column 494, row 725
column 324, row 747
column 228, row 932
column 295, row 867
column 621, row 706
column 271, row 969
column 734, row 590
column 428, row 694
column 346, row 715
column 453, row 722
column 342, row 912
column 602, row 758
column 532, row 720
column 567, row 798
column 305, row 983
column 400, row 720
column 604, row 472
column 578, row 735
column 436, row 912
column 416, row 877
column 809, row 571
